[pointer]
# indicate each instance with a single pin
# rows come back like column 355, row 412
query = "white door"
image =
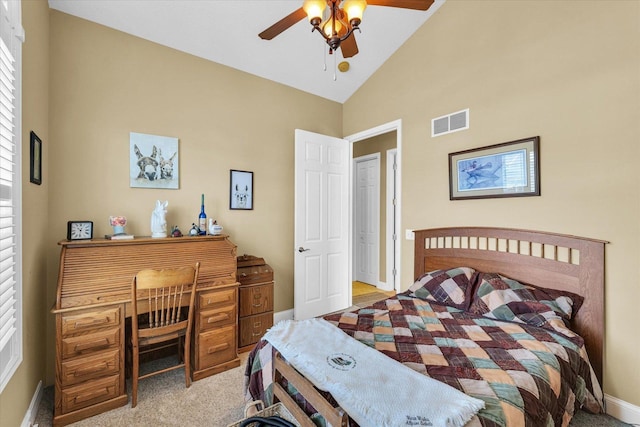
column 321, row 271
column 367, row 219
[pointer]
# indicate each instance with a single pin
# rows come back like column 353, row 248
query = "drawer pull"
column 257, row 296
column 218, row 318
column 89, row 396
column 217, row 348
column 244, row 274
column 92, row 322
column 218, row 300
column 257, row 305
column 91, row 370
column 91, row 345
column 257, row 324
column 256, row 334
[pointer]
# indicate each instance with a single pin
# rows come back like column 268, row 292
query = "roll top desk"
column 93, row 301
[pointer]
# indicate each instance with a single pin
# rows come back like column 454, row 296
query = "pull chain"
column 335, row 66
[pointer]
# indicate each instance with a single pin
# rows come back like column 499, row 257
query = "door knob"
column 301, row 249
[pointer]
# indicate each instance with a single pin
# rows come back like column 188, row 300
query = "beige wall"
column 16, row 397
column 566, row 72
column 105, row 84
column 569, row 74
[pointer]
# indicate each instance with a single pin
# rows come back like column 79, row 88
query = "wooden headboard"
column 556, row 261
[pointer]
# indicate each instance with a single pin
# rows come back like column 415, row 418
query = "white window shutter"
column 11, row 36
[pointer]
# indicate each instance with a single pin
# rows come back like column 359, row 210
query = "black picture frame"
column 510, row 169
column 240, row 190
column 35, row 156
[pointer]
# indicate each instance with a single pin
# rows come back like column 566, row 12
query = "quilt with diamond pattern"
column 526, row 375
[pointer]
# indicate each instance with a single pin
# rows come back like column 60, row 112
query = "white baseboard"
column 624, row 411
column 282, row 315
column 32, row 412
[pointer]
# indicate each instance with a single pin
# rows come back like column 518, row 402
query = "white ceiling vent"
column 450, row 123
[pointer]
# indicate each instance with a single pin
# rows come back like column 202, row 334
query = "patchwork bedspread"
column 526, row 375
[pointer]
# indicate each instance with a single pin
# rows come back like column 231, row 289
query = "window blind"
column 10, row 191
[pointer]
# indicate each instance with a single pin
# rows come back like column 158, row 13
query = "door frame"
column 396, row 126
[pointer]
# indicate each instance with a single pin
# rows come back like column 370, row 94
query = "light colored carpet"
column 216, row 401
column 163, row 400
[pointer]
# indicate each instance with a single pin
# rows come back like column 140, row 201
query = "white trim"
column 282, row 315
column 395, row 125
column 32, row 411
column 392, row 282
column 623, row 411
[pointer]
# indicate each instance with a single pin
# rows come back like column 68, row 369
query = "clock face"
column 79, row 230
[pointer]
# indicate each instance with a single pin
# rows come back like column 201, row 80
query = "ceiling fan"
column 339, row 23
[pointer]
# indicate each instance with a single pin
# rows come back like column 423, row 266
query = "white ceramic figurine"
column 158, row 221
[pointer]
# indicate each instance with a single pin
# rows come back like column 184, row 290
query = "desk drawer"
column 215, row 318
column 217, row 346
column 85, row 368
column 215, row 299
column 87, row 394
column 252, row 328
column 256, row 299
column 73, row 323
column 83, row 344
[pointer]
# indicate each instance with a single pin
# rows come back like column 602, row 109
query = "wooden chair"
column 157, row 301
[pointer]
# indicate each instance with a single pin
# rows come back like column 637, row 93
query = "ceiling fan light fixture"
column 314, row 10
column 354, row 10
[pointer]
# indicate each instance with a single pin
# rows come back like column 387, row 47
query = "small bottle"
column 202, row 219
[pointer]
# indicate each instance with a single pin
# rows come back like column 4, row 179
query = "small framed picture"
column 241, row 190
column 35, row 165
column 510, row 169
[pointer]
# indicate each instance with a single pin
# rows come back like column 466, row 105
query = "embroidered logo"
column 341, row 361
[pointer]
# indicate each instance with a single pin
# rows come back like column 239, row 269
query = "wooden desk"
column 93, row 301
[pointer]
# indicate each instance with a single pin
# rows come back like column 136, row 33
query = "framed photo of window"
column 241, row 190
column 510, row 169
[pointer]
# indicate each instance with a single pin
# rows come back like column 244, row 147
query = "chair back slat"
column 164, row 293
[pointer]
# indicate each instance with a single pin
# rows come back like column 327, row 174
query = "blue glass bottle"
column 202, row 219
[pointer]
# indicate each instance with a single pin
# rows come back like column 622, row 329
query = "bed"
column 529, row 366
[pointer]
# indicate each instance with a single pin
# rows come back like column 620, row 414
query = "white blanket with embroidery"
column 374, row 389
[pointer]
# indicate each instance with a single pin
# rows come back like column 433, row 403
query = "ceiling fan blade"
column 404, row 4
column 283, row 24
column 349, row 46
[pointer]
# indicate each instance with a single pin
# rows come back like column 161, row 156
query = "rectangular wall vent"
column 450, row 123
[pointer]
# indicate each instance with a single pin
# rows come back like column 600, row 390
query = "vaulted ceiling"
column 226, row 32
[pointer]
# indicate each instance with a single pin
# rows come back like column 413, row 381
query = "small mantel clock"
column 79, row 230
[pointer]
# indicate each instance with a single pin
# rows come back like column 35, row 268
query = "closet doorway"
column 375, row 207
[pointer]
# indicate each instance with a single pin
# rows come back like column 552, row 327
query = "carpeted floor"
column 216, row 401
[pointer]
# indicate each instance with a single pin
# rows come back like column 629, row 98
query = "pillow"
column 502, row 298
column 445, row 287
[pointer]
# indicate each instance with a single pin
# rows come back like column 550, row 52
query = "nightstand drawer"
column 252, row 328
column 84, row 344
column 89, row 367
column 256, row 299
column 87, row 394
column 73, row 323
column 215, row 318
column 217, row 346
column 214, row 299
